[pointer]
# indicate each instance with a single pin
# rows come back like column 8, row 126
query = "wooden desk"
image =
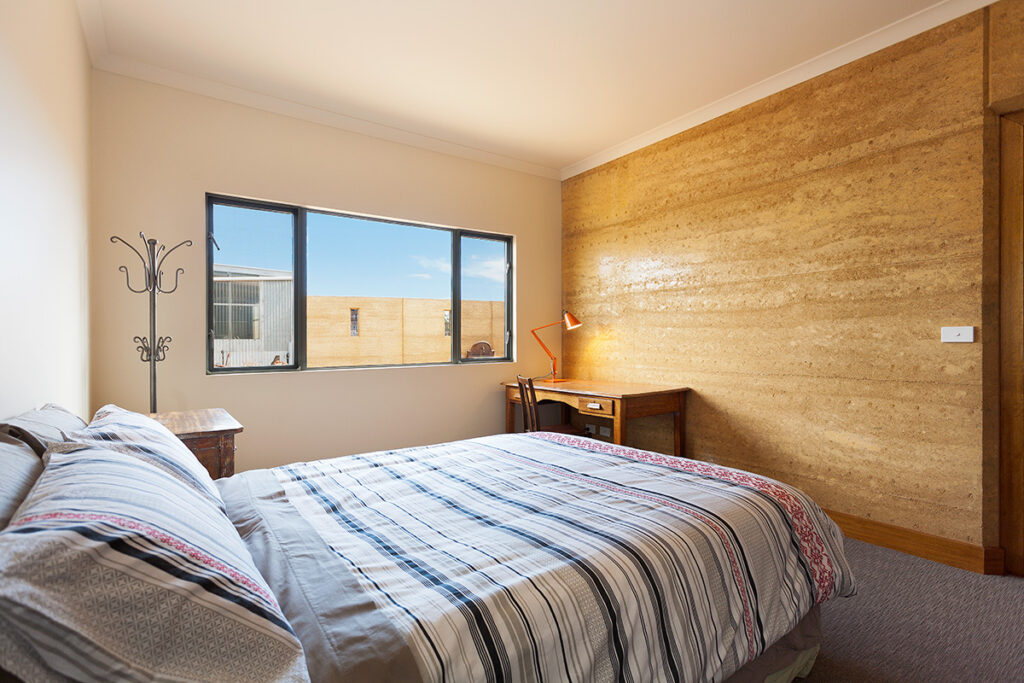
column 616, row 400
column 209, row 433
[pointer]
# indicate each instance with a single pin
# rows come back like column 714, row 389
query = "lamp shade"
column 571, row 321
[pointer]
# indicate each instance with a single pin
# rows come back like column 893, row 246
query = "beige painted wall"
column 44, row 186
column 793, row 262
column 157, row 151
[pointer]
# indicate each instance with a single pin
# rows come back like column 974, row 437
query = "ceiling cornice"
column 91, row 15
column 250, row 98
column 898, row 31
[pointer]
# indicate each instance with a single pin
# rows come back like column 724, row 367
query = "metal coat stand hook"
column 153, row 256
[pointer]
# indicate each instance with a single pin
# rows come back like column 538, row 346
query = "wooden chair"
column 528, row 399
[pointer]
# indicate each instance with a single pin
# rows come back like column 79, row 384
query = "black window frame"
column 299, row 273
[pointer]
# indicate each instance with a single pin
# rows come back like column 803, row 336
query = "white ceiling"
column 551, row 87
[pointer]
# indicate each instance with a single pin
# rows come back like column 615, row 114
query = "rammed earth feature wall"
column 793, row 261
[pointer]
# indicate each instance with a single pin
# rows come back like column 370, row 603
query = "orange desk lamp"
column 571, row 322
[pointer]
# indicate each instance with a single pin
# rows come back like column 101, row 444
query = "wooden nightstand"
column 209, row 433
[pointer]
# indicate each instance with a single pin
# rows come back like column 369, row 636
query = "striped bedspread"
column 539, row 557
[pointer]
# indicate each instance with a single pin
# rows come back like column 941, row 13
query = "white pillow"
column 40, row 428
column 116, row 569
column 142, row 436
column 19, row 469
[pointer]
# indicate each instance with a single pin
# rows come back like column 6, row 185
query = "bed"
column 514, row 557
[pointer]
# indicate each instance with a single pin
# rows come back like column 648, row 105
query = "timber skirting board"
column 975, row 558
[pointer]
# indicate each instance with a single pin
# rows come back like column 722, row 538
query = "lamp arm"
column 554, row 361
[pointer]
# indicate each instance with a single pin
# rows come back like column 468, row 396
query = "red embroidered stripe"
column 162, row 537
column 811, row 545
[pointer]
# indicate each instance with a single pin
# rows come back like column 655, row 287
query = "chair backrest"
column 528, row 398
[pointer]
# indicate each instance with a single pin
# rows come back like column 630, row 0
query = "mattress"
column 534, row 557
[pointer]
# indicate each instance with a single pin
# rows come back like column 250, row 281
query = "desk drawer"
column 597, row 406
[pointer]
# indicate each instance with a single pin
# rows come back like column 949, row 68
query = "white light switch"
column 958, row 334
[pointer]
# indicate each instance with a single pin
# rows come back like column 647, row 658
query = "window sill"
column 273, row 370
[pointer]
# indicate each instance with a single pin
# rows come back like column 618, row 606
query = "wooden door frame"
column 1011, row 340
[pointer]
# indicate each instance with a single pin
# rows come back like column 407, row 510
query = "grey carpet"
column 916, row 620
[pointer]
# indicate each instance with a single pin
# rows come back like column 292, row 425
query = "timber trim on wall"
column 1011, row 343
column 975, row 558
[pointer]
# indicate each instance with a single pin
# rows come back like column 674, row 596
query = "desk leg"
column 510, row 416
column 619, row 429
column 679, row 425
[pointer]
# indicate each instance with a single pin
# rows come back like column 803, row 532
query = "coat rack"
column 152, row 263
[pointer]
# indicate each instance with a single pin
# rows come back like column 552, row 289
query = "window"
column 251, row 261
column 484, row 274
column 281, row 278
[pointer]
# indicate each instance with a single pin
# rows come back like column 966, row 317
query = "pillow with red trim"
column 116, row 569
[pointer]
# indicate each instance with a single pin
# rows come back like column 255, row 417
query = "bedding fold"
column 345, row 637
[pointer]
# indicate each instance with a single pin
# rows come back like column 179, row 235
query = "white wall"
column 44, row 190
column 158, row 150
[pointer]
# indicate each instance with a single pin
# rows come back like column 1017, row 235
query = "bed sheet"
column 539, row 557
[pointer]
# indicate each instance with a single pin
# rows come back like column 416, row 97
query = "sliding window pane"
column 252, row 288
column 377, row 292
column 483, row 283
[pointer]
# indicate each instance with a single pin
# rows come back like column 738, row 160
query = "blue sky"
column 357, row 257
